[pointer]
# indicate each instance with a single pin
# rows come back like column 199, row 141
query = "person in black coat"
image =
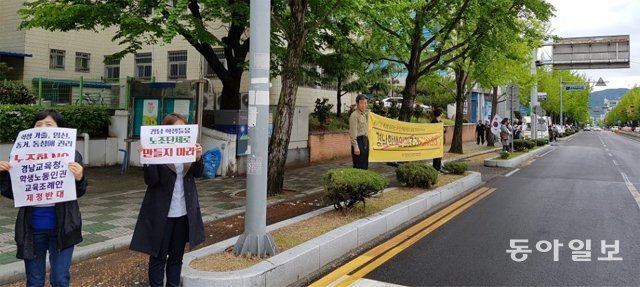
column 56, row 229
column 170, row 214
column 437, row 162
column 480, row 132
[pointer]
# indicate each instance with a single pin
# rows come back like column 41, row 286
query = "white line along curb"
column 296, row 263
column 517, row 160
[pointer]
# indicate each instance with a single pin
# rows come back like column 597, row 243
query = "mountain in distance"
column 596, row 99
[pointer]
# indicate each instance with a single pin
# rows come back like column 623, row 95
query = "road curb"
column 308, row 257
column 14, row 271
column 515, row 161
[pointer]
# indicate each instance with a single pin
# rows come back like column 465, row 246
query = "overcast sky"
column 579, row 18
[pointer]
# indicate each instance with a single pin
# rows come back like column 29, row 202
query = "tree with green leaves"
column 627, row 111
column 425, row 36
column 297, row 25
column 436, row 91
column 499, row 25
column 416, row 36
column 575, row 104
column 149, row 22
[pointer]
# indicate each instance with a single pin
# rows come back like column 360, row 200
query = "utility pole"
column 255, row 240
column 561, row 119
column 534, row 96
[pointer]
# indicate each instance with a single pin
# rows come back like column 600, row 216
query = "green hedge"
column 504, row 154
column 456, row 167
column 86, row 119
column 417, row 174
column 344, row 187
column 542, row 142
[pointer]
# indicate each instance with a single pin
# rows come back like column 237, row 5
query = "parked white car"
column 387, row 102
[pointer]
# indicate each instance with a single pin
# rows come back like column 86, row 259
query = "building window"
column 112, row 70
column 143, row 66
column 82, row 62
column 208, row 71
column 177, row 65
column 56, row 59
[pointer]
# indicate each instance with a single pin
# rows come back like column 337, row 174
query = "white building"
column 55, row 56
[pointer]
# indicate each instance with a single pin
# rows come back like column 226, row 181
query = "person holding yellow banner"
column 358, row 131
column 437, row 162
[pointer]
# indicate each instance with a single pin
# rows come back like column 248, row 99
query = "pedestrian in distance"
column 53, row 228
column 505, row 133
column 487, row 132
column 437, row 114
column 480, row 131
column 359, row 134
column 169, row 215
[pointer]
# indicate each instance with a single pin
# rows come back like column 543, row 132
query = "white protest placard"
column 40, row 166
column 168, row 144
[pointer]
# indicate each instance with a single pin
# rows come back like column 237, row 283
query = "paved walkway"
column 110, row 206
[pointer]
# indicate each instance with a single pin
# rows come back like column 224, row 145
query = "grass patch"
column 516, row 154
column 290, row 236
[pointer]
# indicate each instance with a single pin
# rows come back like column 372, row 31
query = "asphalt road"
column 575, row 192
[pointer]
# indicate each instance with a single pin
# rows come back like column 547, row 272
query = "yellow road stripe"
column 397, row 249
column 391, row 243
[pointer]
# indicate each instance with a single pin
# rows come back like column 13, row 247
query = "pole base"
column 255, row 245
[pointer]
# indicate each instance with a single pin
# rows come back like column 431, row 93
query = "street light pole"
column 255, row 240
column 561, row 119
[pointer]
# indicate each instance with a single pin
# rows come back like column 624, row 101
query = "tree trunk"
column 461, row 79
column 230, row 95
column 408, row 98
column 494, row 109
column 339, row 96
column 283, row 117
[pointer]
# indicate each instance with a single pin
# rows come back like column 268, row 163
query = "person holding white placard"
column 55, row 228
column 170, row 214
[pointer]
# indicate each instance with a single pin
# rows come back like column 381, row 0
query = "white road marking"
column 606, row 149
column 632, row 189
column 512, row 172
column 615, row 162
column 610, row 155
column 546, row 153
column 363, row 282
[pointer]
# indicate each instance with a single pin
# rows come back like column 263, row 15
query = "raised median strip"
column 296, row 263
column 517, row 160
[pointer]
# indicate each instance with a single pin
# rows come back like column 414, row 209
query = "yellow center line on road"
column 357, row 268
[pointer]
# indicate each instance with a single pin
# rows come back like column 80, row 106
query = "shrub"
column 504, row 154
column 393, row 111
column 344, row 187
column 530, row 144
column 86, row 119
column 456, row 167
column 417, row 174
column 15, row 94
column 378, row 109
column 322, row 110
column 518, row 144
column 541, row 142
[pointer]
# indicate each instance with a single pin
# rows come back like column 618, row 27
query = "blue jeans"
column 60, row 260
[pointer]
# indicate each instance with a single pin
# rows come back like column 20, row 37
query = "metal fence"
column 77, row 91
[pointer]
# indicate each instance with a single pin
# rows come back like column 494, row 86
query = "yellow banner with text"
column 392, row 140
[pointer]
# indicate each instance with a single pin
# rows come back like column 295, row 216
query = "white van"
column 543, row 127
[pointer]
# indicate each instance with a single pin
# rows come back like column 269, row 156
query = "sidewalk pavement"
column 110, row 206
